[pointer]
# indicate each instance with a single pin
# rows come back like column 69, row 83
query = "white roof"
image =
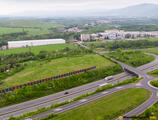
column 24, row 41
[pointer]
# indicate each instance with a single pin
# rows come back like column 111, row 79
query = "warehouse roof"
column 36, row 40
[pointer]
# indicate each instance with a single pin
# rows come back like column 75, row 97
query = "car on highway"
column 66, row 93
column 102, row 85
column 109, row 78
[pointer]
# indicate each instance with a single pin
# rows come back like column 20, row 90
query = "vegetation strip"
column 133, row 80
column 87, row 112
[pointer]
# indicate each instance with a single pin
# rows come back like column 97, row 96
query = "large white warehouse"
column 19, row 44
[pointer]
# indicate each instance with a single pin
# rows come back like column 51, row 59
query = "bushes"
column 133, row 58
column 136, row 44
column 154, row 83
column 39, row 90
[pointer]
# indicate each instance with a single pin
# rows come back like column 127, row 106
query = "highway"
column 47, row 101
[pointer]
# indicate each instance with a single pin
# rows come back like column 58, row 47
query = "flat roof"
column 36, row 40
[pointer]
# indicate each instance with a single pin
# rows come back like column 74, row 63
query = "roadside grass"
column 37, row 49
column 152, row 111
column 154, row 73
column 53, row 106
column 39, row 70
column 108, row 107
column 152, row 50
column 132, row 58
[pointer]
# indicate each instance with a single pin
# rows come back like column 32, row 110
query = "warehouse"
column 26, row 43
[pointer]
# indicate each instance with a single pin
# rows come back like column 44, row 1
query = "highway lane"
column 83, row 101
column 49, row 100
column 137, row 111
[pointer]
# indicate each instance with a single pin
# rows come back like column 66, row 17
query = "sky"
column 20, row 7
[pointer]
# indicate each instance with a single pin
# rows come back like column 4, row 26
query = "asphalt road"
column 142, row 84
column 47, row 101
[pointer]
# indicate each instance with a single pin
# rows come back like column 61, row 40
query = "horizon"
column 28, row 8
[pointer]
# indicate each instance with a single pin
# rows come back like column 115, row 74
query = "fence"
column 46, row 79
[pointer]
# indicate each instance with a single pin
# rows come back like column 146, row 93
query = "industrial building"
column 26, row 43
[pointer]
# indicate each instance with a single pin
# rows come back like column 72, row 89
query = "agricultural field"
column 30, row 24
column 133, row 58
column 39, row 70
column 37, row 49
column 108, row 107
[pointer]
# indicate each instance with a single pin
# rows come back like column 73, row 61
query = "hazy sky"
column 20, row 6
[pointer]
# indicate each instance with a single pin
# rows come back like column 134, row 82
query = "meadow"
column 133, row 58
column 152, row 50
column 43, row 69
column 37, row 49
column 108, row 107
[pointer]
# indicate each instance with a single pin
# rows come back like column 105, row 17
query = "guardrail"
column 46, row 79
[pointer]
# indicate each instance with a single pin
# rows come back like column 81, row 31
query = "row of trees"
column 13, row 63
column 136, row 44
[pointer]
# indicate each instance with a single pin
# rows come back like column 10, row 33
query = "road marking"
column 58, row 109
column 104, row 92
column 138, row 84
column 157, row 93
column 83, row 100
column 118, row 87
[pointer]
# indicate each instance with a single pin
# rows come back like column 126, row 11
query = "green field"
column 108, row 107
column 39, row 70
column 154, row 73
column 133, row 58
column 30, row 23
column 152, row 50
column 37, row 49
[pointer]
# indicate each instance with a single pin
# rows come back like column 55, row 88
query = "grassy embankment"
column 133, row 58
column 108, row 107
column 40, row 70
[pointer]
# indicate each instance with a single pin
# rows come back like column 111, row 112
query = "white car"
column 103, row 85
column 109, row 78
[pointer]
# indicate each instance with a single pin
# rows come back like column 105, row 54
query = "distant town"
column 118, row 35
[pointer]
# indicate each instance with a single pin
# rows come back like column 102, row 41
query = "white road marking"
column 83, row 100
column 138, row 84
column 157, row 93
column 104, row 92
column 58, row 109
column 118, row 87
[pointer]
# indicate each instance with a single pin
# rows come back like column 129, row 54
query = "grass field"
column 133, row 58
column 39, row 70
column 152, row 50
column 154, row 73
column 37, row 49
column 108, row 107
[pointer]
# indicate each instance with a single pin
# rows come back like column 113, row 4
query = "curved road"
column 142, row 71
column 47, row 101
